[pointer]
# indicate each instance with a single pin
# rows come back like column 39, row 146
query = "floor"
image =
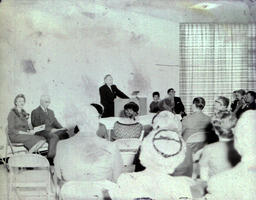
column 26, row 194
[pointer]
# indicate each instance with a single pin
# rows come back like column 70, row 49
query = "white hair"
column 85, row 117
column 167, row 120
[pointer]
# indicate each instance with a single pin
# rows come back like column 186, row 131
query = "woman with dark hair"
column 131, row 110
column 220, row 156
column 18, row 129
column 128, row 126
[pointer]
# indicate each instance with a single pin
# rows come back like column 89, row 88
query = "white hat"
column 162, row 150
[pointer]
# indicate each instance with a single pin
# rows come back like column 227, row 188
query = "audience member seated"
column 154, row 104
column 220, row 105
column 197, row 121
column 42, row 115
column 172, row 103
column 102, row 130
column 161, row 152
column 169, row 121
column 127, row 127
column 249, row 104
column 220, row 156
column 238, row 183
column 85, row 156
column 234, row 101
column 18, row 128
column 240, row 96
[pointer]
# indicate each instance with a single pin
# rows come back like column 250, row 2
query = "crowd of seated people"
column 164, row 163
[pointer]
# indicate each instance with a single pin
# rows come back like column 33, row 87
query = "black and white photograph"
column 127, row 99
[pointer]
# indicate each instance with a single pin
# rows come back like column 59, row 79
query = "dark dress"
column 107, row 97
column 18, row 122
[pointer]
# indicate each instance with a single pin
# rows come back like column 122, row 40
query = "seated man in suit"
column 249, row 104
column 172, row 103
column 197, row 121
column 42, row 115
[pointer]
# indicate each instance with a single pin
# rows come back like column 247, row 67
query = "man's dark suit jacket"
column 107, row 99
column 39, row 117
column 179, row 107
column 241, row 110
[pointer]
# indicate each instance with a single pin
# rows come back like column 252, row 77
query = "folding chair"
column 28, row 171
column 12, row 148
column 128, row 148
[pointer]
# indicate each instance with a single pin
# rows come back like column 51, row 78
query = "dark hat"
column 132, row 105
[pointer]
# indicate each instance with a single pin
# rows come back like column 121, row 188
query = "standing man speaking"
column 108, row 92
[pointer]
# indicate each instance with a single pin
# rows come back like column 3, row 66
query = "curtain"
column 216, row 59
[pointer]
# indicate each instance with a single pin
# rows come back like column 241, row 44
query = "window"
column 216, row 59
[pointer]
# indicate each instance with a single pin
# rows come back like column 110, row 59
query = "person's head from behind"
column 131, row 110
column 250, row 97
column 108, row 80
column 162, row 151
column 85, row 117
column 19, row 101
column 224, row 124
column 171, row 92
column 156, row 96
column 166, row 120
column 98, row 108
column 198, row 104
column 221, row 104
column 245, row 135
column 240, row 94
column 45, row 101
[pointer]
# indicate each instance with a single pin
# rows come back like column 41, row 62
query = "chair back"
column 28, row 160
column 197, row 137
column 22, row 179
column 196, row 141
column 121, row 130
column 128, row 148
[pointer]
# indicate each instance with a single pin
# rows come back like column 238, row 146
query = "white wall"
column 64, row 48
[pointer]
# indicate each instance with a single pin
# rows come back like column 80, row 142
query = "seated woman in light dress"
column 161, row 152
column 18, row 128
column 238, row 183
column 85, row 156
column 220, row 156
column 127, row 126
